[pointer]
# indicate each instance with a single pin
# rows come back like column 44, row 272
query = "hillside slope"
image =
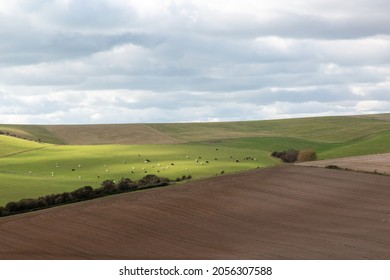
column 286, row 212
column 10, row 146
column 322, row 129
column 110, row 134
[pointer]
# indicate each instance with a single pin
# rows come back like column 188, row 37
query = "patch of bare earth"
column 110, row 134
column 288, row 212
column 371, row 163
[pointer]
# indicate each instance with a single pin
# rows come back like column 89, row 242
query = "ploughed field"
column 285, row 212
column 379, row 163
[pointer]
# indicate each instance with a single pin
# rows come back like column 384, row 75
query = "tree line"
column 108, row 187
column 291, row 156
column 17, row 136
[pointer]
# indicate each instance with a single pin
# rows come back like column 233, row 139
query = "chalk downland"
column 110, row 134
column 288, row 212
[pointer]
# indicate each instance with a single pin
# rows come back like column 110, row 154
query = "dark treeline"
column 289, row 156
column 108, row 187
column 17, row 136
column 292, row 155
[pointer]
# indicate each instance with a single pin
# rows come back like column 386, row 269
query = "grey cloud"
column 39, row 47
column 104, row 61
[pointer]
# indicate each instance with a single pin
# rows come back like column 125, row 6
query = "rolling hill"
column 249, row 212
column 67, row 157
column 322, row 129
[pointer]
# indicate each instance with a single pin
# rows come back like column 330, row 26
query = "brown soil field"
column 110, row 134
column 370, row 163
column 287, row 212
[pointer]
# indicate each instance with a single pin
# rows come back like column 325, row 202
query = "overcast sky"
column 131, row 61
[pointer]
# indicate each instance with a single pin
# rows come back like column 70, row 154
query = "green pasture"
column 370, row 144
column 53, row 169
column 30, row 169
column 12, row 145
column 321, row 129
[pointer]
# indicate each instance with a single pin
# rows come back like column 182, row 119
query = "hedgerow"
column 108, row 187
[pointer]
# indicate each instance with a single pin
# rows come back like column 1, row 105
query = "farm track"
column 287, row 212
column 22, row 152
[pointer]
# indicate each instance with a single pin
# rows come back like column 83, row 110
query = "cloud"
column 67, row 61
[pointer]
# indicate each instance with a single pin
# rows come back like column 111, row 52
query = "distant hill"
column 324, row 129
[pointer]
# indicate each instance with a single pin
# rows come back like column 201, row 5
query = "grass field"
column 53, row 169
column 30, row 169
column 322, row 129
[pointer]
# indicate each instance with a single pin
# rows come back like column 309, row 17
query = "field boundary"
column 22, row 152
column 373, row 164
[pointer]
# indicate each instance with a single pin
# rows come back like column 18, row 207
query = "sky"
column 148, row 61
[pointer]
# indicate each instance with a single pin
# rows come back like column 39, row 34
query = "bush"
column 11, row 207
column 152, row 179
column 108, row 187
column 83, row 193
column 290, row 156
column 307, row 155
column 149, row 180
column 125, row 184
column 26, row 204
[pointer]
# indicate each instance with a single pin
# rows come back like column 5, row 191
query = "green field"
column 54, row 169
column 29, row 169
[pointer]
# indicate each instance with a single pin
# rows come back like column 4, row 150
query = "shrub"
column 11, row 207
column 126, row 184
column 83, row 193
column 289, row 156
column 3, row 212
column 307, row 155
column 26, row 204
column 108, row 187
column 150, row 179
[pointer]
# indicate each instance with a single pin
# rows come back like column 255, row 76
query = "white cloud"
column 70, row 61
column 372, row 106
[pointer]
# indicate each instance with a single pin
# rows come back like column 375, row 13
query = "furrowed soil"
column 287, row 212
column 371, row 163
